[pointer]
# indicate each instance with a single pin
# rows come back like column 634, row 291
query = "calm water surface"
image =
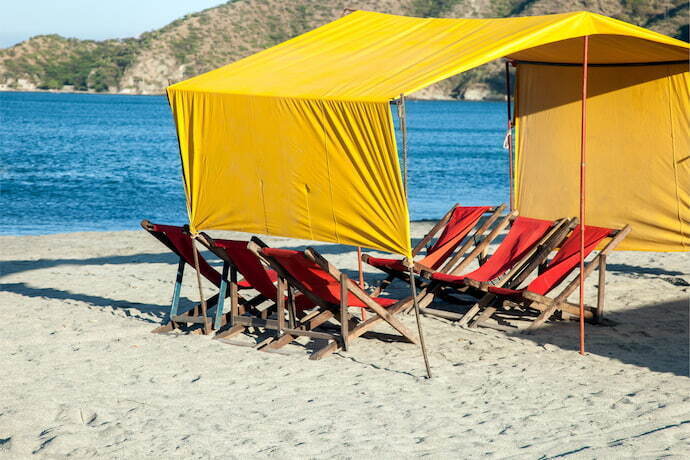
column 79, row 162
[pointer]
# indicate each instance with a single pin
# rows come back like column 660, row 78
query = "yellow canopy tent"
column 298, row 140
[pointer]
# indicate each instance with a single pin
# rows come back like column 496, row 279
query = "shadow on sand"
column 654, row 336
column 97, row 301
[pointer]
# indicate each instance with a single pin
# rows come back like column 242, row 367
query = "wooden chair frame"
column 547, row 306
column 474, row 239
column 243, row 312
column 350, row 326
column 520, row 270
column 194, row 315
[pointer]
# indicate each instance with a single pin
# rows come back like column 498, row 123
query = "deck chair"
column 331, row 290
column 527, row 244
column 179, row 241
column 567, row 259
column 455, row 225
column 238, row 259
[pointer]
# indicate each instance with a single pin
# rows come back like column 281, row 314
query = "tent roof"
column 376, row 57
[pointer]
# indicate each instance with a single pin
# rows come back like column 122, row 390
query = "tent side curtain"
column 638, row 139
column 310, row 169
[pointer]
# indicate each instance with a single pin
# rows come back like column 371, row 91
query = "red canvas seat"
column 563, row 263
column 255, row 274
column 566, row 260
column 181, row 244
column 179, row 241
column 523, row 235
column 315, row 279
column 461, row 222
column 333, row 293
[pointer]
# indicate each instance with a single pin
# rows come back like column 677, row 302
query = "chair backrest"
column 312, row 277
column 248, row 264
column 461, row 222
column 177, row 239
column 568, row 258
column 523, row 235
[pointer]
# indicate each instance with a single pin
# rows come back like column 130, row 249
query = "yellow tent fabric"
column 312, row 169
column 298, row 140
column 638, row 149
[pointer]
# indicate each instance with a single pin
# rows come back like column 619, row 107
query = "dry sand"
column 82, row 375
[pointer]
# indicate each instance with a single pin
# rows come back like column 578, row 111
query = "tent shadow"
column 655, row 336
column 634, row 269
column 23, row 289
column 11, row 267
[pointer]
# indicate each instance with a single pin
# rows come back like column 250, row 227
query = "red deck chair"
column 312, row 275
column 524, row 235
column 526, row 239
column 456, row 224
column 237, row 259
column 179, row 241
column 566, row 260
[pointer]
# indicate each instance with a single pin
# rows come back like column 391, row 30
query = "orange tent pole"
column 509, row 135
column 583, row 151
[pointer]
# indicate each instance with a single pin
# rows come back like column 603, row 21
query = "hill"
column 211, row 38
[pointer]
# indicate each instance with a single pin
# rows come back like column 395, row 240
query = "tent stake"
column 509, row 136
column 413, row 287
column 583, row 152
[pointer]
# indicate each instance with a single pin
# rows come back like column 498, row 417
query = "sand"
column 83, row 377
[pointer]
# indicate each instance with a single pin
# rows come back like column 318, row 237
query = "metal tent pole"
column 509, row 135
column 403, row 131
column 583, row 152
column 413, row 287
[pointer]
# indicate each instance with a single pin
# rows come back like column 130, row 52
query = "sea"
column 89, row 162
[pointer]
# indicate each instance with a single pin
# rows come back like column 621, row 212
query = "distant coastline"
column 5, row 89
column 492, row 97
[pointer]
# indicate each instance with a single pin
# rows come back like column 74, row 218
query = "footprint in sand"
column 5, row 444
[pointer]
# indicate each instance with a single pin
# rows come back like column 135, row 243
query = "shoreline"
column 137, row 228
column 497, row 98
column 57, row 91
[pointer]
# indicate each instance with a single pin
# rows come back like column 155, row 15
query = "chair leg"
column 310, row 322
column 601, row 292
column 474, row 309
column 543, row 316
column 382, row 286
column 221, row 297
column 485, row 315
column 344, row 316
column 175, row 302
column 233, row 331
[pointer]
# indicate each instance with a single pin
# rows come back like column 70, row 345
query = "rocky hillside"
column 202, row 41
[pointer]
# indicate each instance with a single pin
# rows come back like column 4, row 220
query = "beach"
column 84, row 377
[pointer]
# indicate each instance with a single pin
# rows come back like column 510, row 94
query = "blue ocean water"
column 81, row 162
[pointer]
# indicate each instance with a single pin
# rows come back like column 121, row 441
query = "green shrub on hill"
column 199, row 42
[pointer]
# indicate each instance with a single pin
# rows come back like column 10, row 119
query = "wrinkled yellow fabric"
column 376, row 57
column 318, row 170
column 638, row 149
column 297, row 140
